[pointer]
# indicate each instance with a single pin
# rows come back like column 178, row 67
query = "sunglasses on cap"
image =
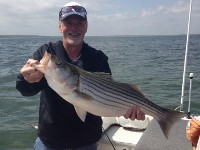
column 70, row 9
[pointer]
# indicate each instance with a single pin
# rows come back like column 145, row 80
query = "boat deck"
column 152, row 138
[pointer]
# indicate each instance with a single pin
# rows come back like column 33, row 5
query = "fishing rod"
column 20, row 120
column 185, row 62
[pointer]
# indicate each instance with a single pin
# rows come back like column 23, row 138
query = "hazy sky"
column 105, row 17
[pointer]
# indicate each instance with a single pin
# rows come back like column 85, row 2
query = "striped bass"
column 99, row 94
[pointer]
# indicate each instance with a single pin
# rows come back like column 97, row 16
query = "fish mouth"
column 45, row 59
column 43, row 62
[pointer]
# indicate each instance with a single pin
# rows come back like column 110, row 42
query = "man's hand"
column 135, row 113
column 29, row 73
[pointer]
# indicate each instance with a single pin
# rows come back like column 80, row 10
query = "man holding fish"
column 60, row 125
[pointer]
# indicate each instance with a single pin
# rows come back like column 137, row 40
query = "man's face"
column 73, row 29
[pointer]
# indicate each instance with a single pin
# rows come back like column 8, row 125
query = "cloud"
column 112, row 17
column 180, row 7
column 168, row 19
column 99, row 6
column 152, row 12
column 22, row 16
column 106, row 17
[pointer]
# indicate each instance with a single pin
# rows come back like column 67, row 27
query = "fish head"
column 57, row 72
column 52, row 65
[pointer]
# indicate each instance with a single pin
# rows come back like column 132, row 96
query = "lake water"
column 155, row 63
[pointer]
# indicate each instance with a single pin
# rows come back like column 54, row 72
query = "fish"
column 99, row 94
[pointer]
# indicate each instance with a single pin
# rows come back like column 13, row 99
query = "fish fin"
column 168, row 120
column 103, row 75
column 81, row 113
column 135, row 87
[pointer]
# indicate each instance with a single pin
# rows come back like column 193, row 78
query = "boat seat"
column 122, row 136
column 108, row 121
column 123, row 133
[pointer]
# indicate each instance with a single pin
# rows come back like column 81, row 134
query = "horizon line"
column 99, row 35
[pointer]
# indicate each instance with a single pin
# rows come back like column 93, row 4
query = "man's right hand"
column 29, row 73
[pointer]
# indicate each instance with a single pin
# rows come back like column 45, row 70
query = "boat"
column 124, row 134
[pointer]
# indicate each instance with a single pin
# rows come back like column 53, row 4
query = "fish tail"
column 168, row 120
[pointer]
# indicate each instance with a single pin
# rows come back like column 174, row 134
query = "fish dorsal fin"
column 135, row 87
column 81, row 113
column 99, row 74
column 103, row 75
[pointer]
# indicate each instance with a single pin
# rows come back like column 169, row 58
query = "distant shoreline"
column 1, row 36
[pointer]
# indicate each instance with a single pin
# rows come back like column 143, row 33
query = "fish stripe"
column 115, row 87
column 115, row 90
column 102, row 102
column 99, row 87
column 111, row 83
column 106, row 100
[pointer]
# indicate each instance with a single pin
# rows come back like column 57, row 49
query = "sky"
column 105, row 17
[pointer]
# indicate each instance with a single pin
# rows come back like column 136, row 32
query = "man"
column 59, row 126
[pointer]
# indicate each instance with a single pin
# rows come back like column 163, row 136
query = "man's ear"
column 86, row 27
column 60, row 26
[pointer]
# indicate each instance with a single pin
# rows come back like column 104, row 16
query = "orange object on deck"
column 193, row 132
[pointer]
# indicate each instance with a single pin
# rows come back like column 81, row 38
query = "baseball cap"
column 72, row 8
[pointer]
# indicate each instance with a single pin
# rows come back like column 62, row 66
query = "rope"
column 108, row 138
column 20, row 120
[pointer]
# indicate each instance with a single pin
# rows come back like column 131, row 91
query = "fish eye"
column 59, row 64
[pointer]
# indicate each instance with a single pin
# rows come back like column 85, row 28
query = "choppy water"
column 155, row 63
